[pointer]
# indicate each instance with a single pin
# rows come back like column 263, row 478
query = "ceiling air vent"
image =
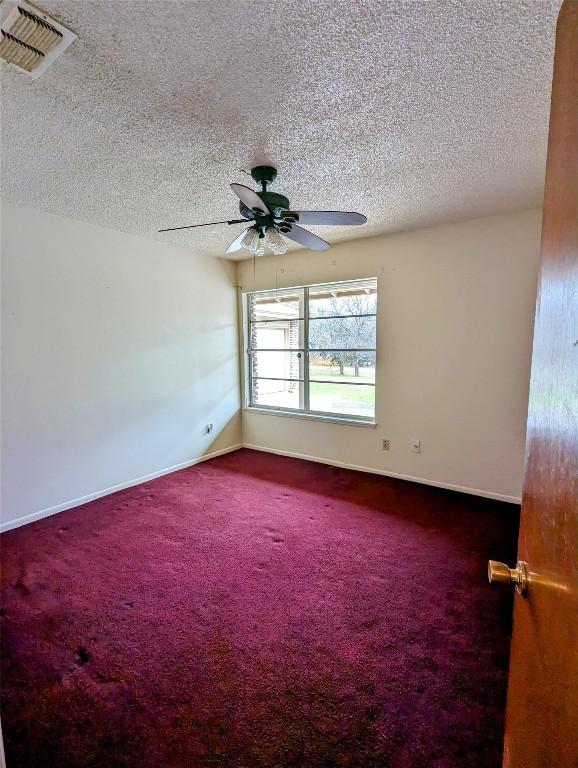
column 29, row 39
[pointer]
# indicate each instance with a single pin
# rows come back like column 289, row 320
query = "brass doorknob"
column 500, row 572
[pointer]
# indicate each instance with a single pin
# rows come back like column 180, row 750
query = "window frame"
column 305, row 380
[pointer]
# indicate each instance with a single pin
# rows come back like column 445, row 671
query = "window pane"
column 343, row 367
column 358, row 298
column 343, row 399
column 342, row 333
column 277, row 334
column 276, row 305
column 279, row 394
column 341, row 341
column 277, row 365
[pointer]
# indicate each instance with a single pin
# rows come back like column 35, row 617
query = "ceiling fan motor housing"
column 276, row 203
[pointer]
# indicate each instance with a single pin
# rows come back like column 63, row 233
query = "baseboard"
column 8, row 525
column 387, row 473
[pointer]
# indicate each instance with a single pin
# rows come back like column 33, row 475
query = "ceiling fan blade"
column 208, row 224
column 237, row 243
column 308, row 239
column 250, row 198
column 340, row 218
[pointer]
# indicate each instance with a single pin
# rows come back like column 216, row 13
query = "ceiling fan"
column 270, row 216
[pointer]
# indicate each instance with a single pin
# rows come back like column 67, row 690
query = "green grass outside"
column 353, row 394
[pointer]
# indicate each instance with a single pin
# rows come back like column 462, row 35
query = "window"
column 312, row 349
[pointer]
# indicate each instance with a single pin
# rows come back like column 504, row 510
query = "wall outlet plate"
column 415, row 446
column 385, row 445
column 209, row 429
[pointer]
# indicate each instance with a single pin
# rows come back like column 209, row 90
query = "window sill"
column 312, row 417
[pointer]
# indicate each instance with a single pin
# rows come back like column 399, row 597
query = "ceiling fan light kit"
column 250, row 241
column 269, row 214
column 275, row 242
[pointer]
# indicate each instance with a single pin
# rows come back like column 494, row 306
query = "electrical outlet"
column 385, row 445
column 209, row 429
column 415, row 445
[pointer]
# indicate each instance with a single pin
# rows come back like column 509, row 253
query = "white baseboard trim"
column 387, row 473
column 9, row 524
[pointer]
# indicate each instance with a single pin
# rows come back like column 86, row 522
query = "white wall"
column 117, row 352
column 455, row 318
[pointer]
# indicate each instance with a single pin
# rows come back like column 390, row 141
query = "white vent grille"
column 30, row 40
column 16, row 52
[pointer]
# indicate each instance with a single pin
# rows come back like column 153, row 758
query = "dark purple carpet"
column 256, row 611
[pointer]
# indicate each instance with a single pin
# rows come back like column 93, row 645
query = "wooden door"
column 542, row 708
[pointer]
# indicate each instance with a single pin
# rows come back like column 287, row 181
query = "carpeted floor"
column 257, row 611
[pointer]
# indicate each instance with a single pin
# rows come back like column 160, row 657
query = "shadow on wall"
column 225, row 439
column 107, row 446
column 228, row 437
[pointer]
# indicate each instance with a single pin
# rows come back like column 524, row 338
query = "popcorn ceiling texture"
column 413, row 113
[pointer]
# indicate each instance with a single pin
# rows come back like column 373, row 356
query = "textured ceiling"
column 410, row 112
